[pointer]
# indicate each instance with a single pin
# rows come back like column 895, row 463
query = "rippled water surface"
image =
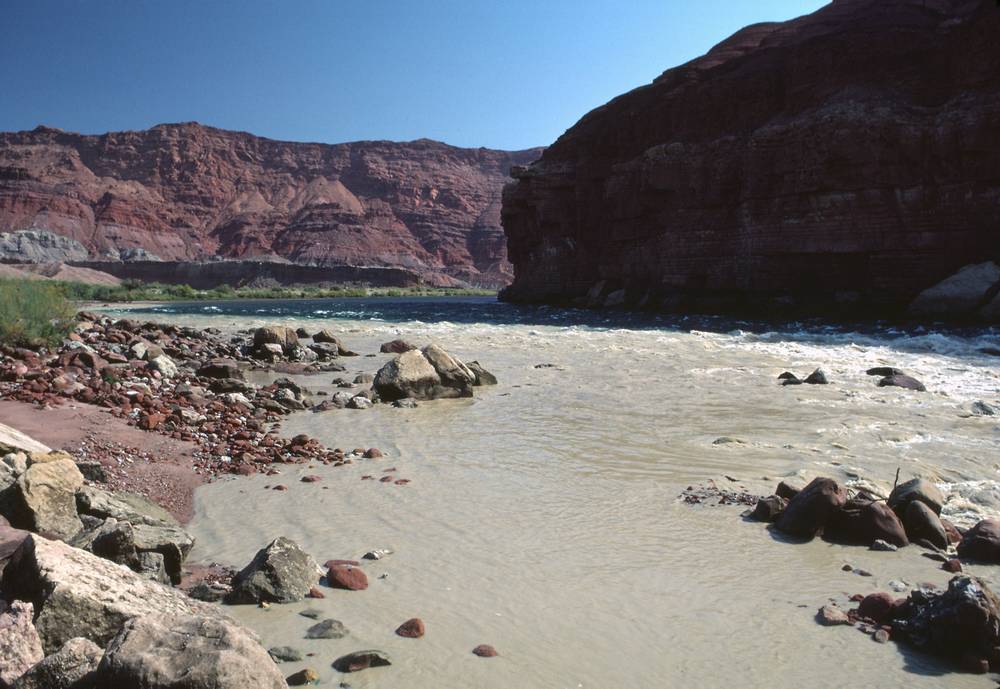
column 542, row 515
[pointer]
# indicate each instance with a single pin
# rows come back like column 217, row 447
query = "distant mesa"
column 182, row 194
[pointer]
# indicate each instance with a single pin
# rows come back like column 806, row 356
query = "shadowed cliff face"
column 189, row 192
column 848, row 157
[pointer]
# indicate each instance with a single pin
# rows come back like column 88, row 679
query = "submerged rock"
column 900, row 380
column 281, row 572
column 361, row 660
column 817, row 377
column 161, row 651
column 327, row 629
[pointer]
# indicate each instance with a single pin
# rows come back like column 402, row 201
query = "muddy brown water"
column 542, row 515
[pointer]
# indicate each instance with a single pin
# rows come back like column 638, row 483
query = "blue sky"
column 472, row 73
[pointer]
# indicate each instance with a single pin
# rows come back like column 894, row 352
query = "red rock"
column 150, row 422
column 877, row 607
column 280, row 487
column 401, row 482
column 315, row 593
column 411, row 629
column 346, row 577
column 953, row 565
column 385, row 479
column 311, row 479
column 428, row 209
column 771, row 167
column 337, row 563
column 372, row 453
column 485, row 651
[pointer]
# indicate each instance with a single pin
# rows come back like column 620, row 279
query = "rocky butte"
column 842, row 162
column 177, row 194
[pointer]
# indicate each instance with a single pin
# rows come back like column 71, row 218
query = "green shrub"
column 33, row 313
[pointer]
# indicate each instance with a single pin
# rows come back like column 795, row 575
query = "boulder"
column 154, row 530
column 981, row 542
column 960, row 622
column 361, row 660
column 71, row 667
column 915, row 489
column 396, row 347
column 483, row 377
column 76, row 593
column 325, row 335
column 900, row 380
column 408, row 375
column 453, row 373
column 922, row 523
column 960, row 294
column 222, row 369
column 279, row 335
column 789, row 488
column 808, row 513
column 281, row 572
column 768, row 509
column 111, row 539
column 13, row 440
column 184, row 651
column 20, row 645
column 43, row 499
column 10, row 540
column 863, row 521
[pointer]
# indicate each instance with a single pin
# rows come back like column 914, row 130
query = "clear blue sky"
column 491, row 73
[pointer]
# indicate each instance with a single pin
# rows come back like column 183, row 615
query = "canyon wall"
column 842, row 161
column 188, row 193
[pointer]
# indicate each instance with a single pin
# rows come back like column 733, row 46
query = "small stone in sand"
column 285, row 654
column 303, row 677
column 327, row 629
column 311, row 613
column 484, row 651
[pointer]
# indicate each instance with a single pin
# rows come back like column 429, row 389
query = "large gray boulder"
column 275, row 334
column 408, row 375
column 915, row 489
column 454, row 374
column 20, row 645
column 960, row 294
column 430, row 373
column 170, row 651
column 281, row 572
column 76, row 593
column 71, row 667
column 43, row 499
column 154, row 529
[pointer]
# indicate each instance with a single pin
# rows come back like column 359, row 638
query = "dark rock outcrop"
column 812, row 509
column 840, row 162
column 186, row 192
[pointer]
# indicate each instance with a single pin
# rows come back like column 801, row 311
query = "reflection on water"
column 542, row 515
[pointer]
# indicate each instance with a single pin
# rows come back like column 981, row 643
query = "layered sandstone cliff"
column 846, row 159
column 187, row 192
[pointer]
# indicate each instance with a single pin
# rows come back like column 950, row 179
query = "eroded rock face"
column 76, row 593
column 71, row 667
column 279, row 573
column 187, row 192
column 843, row 161
column 162, row 651
column 20, row 645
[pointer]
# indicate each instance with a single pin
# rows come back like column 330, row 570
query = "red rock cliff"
column 850, row 157
column 189, row 192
